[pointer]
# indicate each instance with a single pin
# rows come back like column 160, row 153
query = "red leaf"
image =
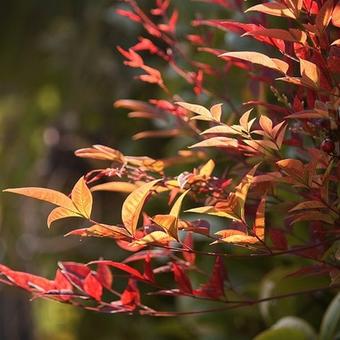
column 181, row 279
column 104, row 275
column 188, row 244
column 131, row 296
column 148, row 272
column 278, row 238
column 124, row 267
column 93, row 287
column 128, row 14
column 214, row 288
column 27, row 281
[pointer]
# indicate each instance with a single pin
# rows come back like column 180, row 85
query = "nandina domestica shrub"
column 259, row 179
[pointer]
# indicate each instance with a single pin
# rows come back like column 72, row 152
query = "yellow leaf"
column 115, row 186
column 59, row 213
column 260, row 59
column 210, row 210
column 82, row 198
column 207, row 169
column 158, row 237
column 273, row 8
column 48, row 195
column 168, row 223
column 133, row 205
column 222, row 142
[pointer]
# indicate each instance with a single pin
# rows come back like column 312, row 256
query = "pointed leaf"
column 115, row 186
column 82, row 198
column 273, row 8
column 59, row 213
column 93, row 287
column 198, row 109
column 133, row 205
column 181, row 279
column 222, row 142
column 260, row 59
column 48, row 195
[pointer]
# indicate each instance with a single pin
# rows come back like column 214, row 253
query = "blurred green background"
column 60, row 74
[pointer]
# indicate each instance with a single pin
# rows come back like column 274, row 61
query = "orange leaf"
column 170, row 222
column 336, row 15
column 293, row 35
column 324, row 16
column 48, row 195
column 133, row 205
column 292, row 167
column 100, row 152
column 82, row 198
column 273, row 8
column 266, row 125
column 235, row 236
column 115, row 186
column 59, row 213
column 158, row 237
column 259, row 227
column 101, row 230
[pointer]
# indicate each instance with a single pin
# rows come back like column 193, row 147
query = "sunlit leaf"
column 216, row 111
column 115, row 186
column 60, row 213
column 260, row 59
column 222, row 142
column 101, row 230
column 210, row 210
column 82, row 198
column 133, row 205
column 259, row 225
column 48, row 195
column 273, row 8
column 100, row 152
column 156, row 237
column 207, row 169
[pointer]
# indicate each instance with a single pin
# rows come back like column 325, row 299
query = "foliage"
column 266, row 182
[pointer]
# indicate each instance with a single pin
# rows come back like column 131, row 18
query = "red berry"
column 328, row 145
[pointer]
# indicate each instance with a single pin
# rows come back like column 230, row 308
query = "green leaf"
column 331, row 320
column 289, row 327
